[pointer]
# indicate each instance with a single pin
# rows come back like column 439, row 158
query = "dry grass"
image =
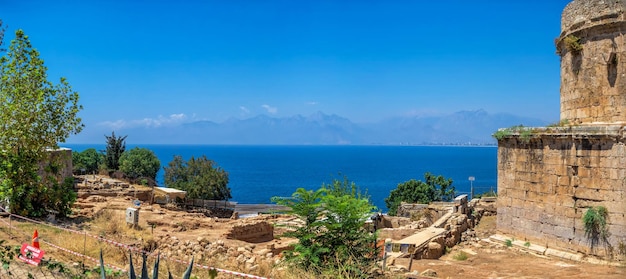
column 460, row 256
column 110, row 224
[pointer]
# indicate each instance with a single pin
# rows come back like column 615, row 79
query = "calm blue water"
column 257, row 173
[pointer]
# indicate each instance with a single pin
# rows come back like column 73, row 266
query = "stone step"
column 537, row 249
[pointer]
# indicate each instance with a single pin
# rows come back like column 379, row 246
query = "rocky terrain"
column 253, row 245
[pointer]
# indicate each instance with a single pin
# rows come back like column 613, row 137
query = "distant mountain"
column 318, row 128
column 463, row 127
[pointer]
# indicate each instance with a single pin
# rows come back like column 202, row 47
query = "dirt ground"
column 184, row 226
column 499, row 261
column 484, row 260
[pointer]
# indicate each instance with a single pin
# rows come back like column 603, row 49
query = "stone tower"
column 593, row 62
column 550, row 177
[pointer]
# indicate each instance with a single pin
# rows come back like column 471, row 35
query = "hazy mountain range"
column 463, row 127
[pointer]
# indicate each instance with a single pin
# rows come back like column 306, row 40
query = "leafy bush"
column 199, row 177
column 333, row 238
column 501, row 133
column 436, row 188
column 60, row 196
column 594, row 221
column 139, row 162
column 508, row 242
column 525, row 133
column 89, row 161
column 572, row 43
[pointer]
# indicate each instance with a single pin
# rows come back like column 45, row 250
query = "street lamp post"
column 471, row 180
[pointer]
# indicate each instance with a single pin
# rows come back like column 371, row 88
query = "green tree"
column 114, row 150
column 199, row 177
column 333, row 238
column 35, row 115
column 140, row 162
column 89, row 161
column 436, row 188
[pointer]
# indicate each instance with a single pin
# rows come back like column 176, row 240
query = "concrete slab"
column 422, row 237
column 538, row 249
column 564, row 255
column 443, row 220
column 499, row 238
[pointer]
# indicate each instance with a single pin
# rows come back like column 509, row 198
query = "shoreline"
column 256, row 208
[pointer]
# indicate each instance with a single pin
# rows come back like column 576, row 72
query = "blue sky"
column 157, row 62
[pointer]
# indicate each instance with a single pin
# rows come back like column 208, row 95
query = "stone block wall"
column 592, row 85
column 254, row 232
column 594, row 78
column 585, row 13
column 548, row 181
column 406, row 209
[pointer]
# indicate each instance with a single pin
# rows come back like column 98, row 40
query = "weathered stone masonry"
column 547, row 182
column 549, row 177
column 593, row 80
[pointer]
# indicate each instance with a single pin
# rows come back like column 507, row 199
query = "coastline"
column 254, row 209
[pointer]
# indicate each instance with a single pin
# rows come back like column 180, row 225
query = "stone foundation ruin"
column 253, row 232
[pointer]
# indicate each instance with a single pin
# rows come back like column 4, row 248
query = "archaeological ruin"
column 564, row 186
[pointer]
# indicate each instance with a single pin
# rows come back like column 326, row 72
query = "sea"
column 258, row 173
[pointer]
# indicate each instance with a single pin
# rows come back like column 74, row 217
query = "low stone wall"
column 396, row 234
column 248, row 257
column 254, row 232
column 142, row 194
column 407, row 209
column 392, row 222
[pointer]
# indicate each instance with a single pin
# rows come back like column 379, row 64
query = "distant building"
column 165, row 195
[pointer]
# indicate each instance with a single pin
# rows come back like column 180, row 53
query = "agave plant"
column 187, row 273
column 155, row 269
column 144, row 269
column 103, row 274
column 131, row 269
